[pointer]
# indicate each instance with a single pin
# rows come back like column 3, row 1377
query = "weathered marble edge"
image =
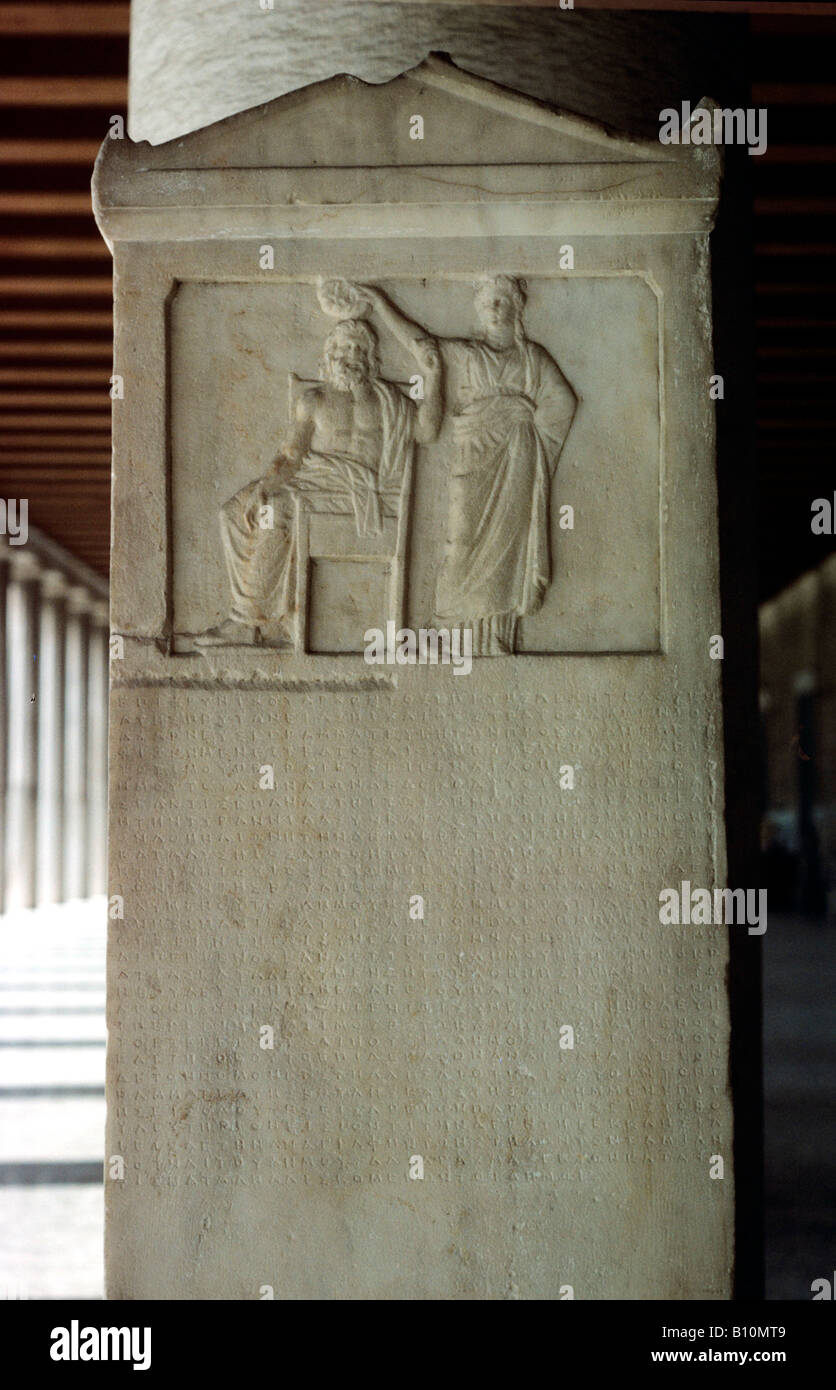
column 143, row 178
column 239, row 668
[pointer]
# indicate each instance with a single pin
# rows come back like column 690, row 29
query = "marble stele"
column 392, row 1013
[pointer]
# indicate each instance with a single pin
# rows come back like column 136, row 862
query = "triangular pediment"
column 344, row 122
column 435, row 136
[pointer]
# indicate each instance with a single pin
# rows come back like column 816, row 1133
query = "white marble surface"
column 287, row 903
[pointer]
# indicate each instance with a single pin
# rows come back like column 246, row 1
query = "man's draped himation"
column 262, row 560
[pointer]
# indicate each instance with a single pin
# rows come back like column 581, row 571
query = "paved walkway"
column 52, row 1108
column 800, row 1105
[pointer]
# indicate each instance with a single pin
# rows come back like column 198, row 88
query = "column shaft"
column 22, row 796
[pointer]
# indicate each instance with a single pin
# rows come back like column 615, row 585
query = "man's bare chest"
column 349, row 426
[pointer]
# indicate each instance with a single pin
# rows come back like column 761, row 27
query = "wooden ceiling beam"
column 55, row 318
column 43, row 439
column 23, row 203
column 57, row 375
column 775, row 425
column 798, row 248
column 93, row 534
column 57, row 347
column 57, row 20
column 35, row 484
column 794, row 93
column 799, row 154
column 790, row 352
column 14, row 400
column 806, row 19
column 795, row 376
column 763, row 287
column 110, row 92
column 68, row 286
column 15, row 421
column 73, row 480
column 49, row 151
column 55, row 248
column 15, row 458
column 791, row 323
column 788, row 205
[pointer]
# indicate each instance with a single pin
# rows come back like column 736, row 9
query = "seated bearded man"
column 349, row 443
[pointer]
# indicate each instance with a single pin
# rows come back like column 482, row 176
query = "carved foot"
column 274, row 635
column 229, row 633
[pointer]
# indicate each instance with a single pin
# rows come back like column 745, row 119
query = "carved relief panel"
column 452, row 451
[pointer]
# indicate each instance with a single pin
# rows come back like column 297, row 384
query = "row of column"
column 53, row 733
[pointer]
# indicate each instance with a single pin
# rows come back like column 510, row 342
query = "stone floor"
column 52, row 1051
column 800, row 1105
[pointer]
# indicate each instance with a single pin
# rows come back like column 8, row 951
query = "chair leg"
column 301, row 523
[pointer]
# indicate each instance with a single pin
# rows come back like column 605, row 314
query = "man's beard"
column 492, row 325
column 345, row 377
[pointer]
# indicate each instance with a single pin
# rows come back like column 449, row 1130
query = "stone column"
column 97, row 756
column 622, row 68
column 4, row 721
column 52, row 696
column 24, row 678
column 76, row 839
